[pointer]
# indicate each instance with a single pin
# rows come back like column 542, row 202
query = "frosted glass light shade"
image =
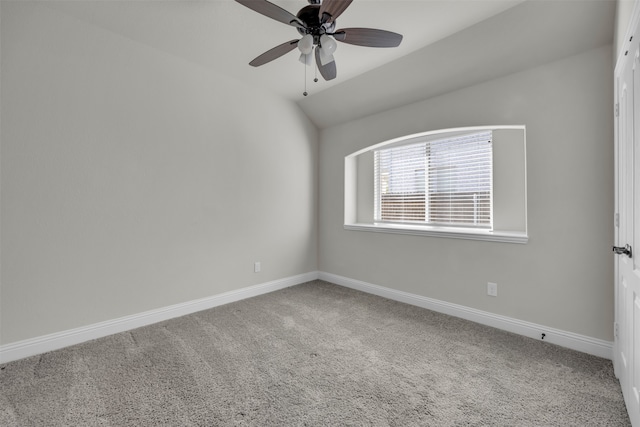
column 305, row 59
column 306, row 44
column 328, row 44
column 325, row 57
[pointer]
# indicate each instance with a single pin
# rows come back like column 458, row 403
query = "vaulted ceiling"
column 447, row 44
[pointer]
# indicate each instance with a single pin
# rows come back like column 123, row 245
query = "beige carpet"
column 312, row 355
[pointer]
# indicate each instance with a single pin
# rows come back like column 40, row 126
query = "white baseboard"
column 43, row 344
column 566, row 339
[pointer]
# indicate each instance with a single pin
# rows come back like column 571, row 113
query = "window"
column 440, row 182
column 463, row 183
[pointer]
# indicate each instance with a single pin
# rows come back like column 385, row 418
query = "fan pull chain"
column 315, row 78
column 305, row 77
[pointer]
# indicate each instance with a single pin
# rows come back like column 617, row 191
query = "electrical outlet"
column 256, row 267
column 492, row 289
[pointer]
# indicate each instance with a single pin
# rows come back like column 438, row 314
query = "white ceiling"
column 528, row 35
column 224, row 36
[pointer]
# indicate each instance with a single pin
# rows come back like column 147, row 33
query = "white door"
column 627, row 349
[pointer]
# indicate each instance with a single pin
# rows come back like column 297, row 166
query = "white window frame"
column 351, row 222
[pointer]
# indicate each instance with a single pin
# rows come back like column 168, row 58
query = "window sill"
column 451, row 233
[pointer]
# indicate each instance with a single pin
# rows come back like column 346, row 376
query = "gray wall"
column 132, row 180
column 563, row 278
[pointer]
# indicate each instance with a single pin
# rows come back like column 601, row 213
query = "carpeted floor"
column 316, row 354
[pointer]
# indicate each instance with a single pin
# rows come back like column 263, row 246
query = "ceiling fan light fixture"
column 328, row 44
column 305, row 45
column 325, row 57
column 327, row 47
column 306, row 58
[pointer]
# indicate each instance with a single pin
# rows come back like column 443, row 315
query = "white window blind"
column 442, row 182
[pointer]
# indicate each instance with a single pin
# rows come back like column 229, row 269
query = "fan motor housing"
column 310, row 16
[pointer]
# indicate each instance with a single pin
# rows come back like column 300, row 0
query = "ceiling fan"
column 316, row 23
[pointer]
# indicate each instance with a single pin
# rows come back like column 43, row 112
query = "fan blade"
column 368, row 37
column 274, row 53
column 331, row 9
column 328, row 72
column 272, row 11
